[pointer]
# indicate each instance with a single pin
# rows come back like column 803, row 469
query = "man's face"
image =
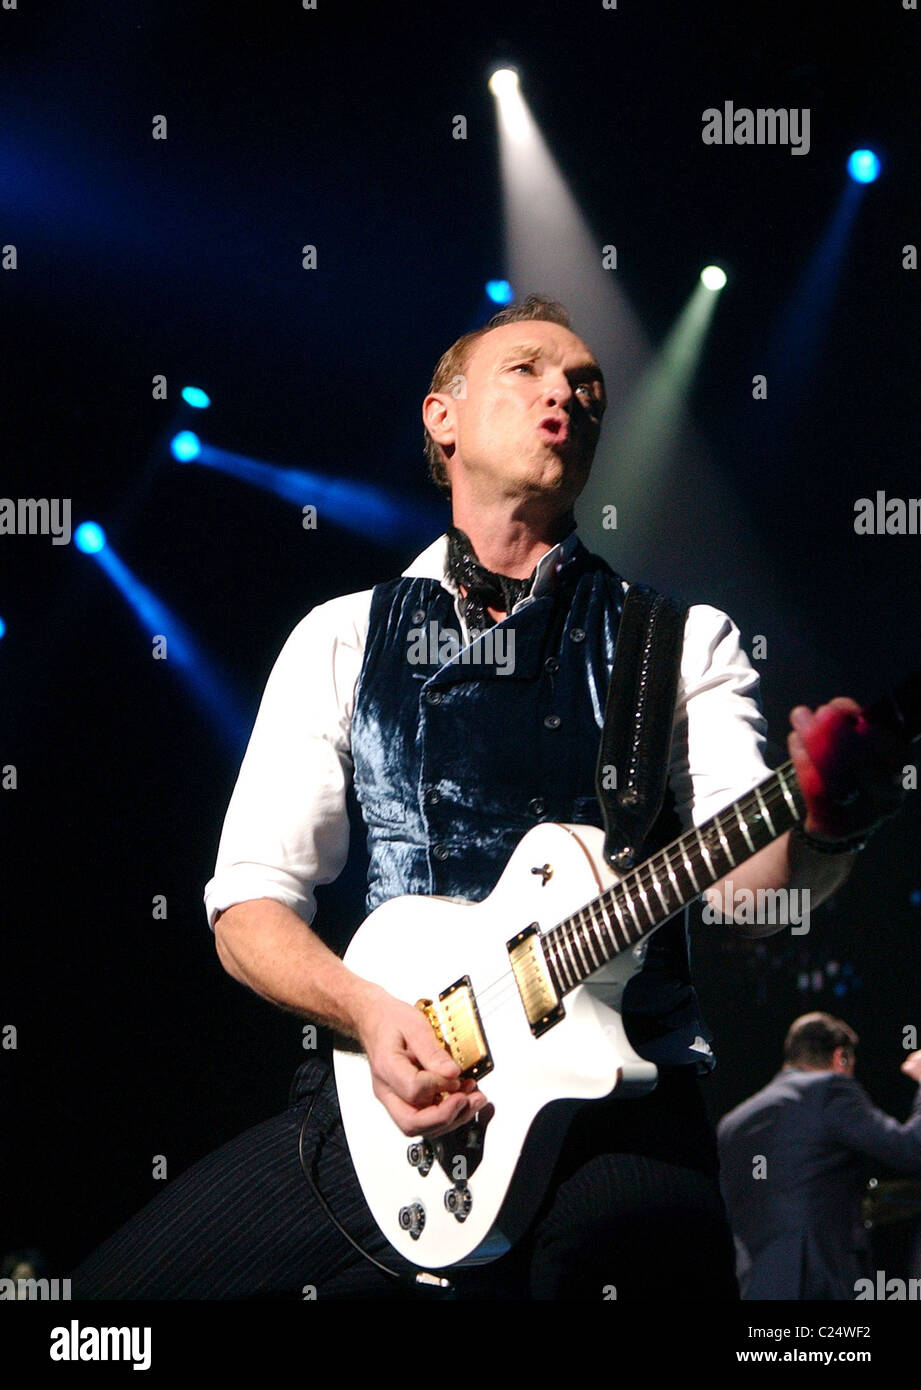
column 531, row 417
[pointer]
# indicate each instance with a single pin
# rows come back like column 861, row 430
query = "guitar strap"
column 633, row 759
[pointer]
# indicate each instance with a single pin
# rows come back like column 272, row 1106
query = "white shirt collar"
column 432, row 562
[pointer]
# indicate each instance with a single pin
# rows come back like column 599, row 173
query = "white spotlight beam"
column 551, row 249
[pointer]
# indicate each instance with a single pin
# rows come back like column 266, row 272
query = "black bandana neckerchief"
column 484, row 588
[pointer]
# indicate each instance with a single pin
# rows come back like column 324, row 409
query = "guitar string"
column 571, row 928
column 746, row 808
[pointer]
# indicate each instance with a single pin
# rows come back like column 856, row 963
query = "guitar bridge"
column 455, row 1021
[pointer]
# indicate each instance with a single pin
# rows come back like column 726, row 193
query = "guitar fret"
column 606, row 919
column 629, row 897
column 623, row 926
column 642, row 891
column 690, row 873
column 790, row 802
column 562, row 967
column 724, row 842
column 554, row 970
column 672, row 875
column 706, row 853
column 656, row 885
column 577, row 937
column 742, row 825
column 599, row 928
column 568, row 944
column 765, row 811
column 588, row 939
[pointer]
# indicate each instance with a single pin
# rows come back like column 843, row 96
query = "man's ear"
column 438, row 416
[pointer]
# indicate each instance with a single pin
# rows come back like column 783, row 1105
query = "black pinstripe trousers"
column 633, row 1212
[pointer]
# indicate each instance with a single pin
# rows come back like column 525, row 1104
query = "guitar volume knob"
column 412, row 1219
column 458, row 1201
column 420, row 1155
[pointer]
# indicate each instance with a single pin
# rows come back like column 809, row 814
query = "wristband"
column 851, row 844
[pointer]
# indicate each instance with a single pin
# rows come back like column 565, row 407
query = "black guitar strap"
column 636, row 740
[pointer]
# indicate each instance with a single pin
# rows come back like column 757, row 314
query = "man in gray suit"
column 793, row 1160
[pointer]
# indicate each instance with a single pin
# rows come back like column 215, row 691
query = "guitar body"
column 497, row 1168
column 525, row 991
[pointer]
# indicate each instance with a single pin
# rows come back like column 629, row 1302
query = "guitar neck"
column 622, row 916
column 662, row 886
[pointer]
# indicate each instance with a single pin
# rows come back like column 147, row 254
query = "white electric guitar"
column 523, row 989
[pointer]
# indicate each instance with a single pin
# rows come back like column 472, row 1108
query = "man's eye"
column 588, row 391
column 528, row 366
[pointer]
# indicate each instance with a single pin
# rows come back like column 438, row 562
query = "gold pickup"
column 541, row 1002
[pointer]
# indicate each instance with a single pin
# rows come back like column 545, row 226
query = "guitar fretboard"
column 664, row 884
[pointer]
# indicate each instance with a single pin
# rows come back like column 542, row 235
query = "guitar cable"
column 421, row 1279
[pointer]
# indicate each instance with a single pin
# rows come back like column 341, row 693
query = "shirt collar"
column 432, row 562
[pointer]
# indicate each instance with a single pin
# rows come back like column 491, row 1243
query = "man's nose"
column 557, row 391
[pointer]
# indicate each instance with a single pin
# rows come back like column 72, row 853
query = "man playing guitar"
column 634, row 1203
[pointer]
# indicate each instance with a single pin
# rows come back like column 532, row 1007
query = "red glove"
column 849, row 771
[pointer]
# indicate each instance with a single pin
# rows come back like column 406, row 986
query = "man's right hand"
column 415, row 1079
column 912, row 1065
column 264, row 944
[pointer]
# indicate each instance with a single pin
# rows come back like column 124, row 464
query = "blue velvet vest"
column 456, row 759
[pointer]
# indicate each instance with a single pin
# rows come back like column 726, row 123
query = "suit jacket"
column 794, row 1166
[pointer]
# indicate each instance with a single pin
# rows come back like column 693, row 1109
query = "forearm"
column 786, row 863
column 265, row 945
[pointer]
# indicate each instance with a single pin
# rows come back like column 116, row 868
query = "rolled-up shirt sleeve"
column 719, row 729
column 286, row 829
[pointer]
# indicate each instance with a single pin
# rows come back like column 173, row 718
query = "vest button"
column 434, row 697
column 552, row 721
column 551, row 664
column 419, row 615
column 432, row 796
column 537, row 807
column 576, row 634
column 441, row 852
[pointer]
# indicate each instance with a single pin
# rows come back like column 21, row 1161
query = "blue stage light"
column 499, row 291
column 195, row 396
column 2, row 627
column 863, row 166
column 181, row 647
column 185, row 446
column 358, row 506
column 89, row 537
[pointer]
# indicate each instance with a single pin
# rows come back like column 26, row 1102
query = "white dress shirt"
column 286, row 828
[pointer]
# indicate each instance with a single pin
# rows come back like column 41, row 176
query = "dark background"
column 183, row 257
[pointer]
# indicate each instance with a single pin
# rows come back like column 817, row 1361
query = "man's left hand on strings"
column 849, row 770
